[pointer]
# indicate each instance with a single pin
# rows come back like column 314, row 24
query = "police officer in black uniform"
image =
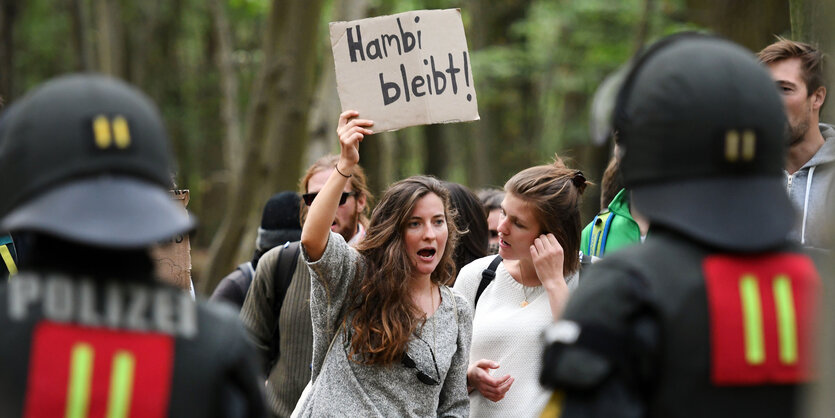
column 712, row 316
column 87, row 330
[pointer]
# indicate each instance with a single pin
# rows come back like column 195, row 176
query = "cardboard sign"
column 173, row 258
column 406, row 69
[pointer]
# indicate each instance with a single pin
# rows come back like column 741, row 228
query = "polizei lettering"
column 115, row 305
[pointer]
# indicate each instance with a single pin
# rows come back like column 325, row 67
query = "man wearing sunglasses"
column 277, row 307
column 352, row 215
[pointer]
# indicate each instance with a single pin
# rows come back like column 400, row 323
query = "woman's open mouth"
column 426, row 254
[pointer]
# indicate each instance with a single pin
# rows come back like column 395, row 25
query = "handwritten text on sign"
column 407, row 69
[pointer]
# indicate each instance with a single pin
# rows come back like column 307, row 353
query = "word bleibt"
column 435, row 81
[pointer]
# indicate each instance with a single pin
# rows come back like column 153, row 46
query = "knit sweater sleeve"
column 454, row 400
column 330, row 279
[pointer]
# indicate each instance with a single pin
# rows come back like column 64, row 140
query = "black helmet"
column 702, row 130
column 86, row 158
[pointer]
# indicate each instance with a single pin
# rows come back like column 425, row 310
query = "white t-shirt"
column 509, row 334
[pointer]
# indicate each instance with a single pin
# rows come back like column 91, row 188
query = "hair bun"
column 579, row 181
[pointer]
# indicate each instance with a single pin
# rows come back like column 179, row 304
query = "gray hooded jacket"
column 810, row 190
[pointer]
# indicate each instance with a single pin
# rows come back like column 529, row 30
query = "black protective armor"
column 142, row 346
column 659, row 330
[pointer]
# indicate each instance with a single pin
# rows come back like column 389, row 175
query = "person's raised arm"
column 320, row 216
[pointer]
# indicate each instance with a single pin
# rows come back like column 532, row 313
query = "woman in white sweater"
column 539, row 226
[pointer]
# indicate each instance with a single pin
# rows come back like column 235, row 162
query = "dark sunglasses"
column 308, row 197
column 424, row 378
column 494, row 233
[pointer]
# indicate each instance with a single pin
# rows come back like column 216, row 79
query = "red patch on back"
column 51, row 362
column 727, row 306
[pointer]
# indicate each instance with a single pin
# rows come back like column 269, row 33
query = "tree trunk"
column 110, row 42
column 436, row 150
column 81, row 41
column 326, row 108
column 752, row 24
column 153, row 38
column 229, row 111
column 812, row 22
column 490, row 136
column 277, row 126
column 8, row 14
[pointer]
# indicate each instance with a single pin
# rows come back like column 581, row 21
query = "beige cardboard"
column 381, row 64
column 173, row 259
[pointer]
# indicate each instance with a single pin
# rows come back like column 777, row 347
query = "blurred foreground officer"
column 713, row 315
column 87, row 330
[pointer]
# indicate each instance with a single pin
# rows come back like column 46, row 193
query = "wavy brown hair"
column 384, row 315
column 553, row 192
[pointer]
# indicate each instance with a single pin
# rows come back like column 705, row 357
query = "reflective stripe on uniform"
column 7, row 258
column 553, row 408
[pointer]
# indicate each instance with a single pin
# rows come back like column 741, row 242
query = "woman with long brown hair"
column 390, row 339
column 539, row 240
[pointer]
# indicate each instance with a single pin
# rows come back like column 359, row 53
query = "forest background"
column 247, row 87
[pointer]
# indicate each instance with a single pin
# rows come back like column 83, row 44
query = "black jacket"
column 675, row 329
column 140, row 345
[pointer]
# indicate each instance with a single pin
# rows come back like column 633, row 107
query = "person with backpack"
column 279, row 224
column 518, row 293
column 616, row 226
column 276, row 311
column 390, row 339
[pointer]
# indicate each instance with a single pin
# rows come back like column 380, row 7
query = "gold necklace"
column 524, row 292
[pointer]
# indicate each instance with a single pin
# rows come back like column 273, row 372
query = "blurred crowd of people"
column 694, row 292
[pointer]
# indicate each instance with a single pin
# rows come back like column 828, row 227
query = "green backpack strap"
column 599, row 233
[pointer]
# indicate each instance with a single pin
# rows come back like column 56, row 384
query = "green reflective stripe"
column 81, row 373
column 7, row 258
column 752, row 319
column 786, row 322
column 121, row 385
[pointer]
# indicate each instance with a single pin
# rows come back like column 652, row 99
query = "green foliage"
column 540, row 66
column 249, row 8
column 39, row 54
